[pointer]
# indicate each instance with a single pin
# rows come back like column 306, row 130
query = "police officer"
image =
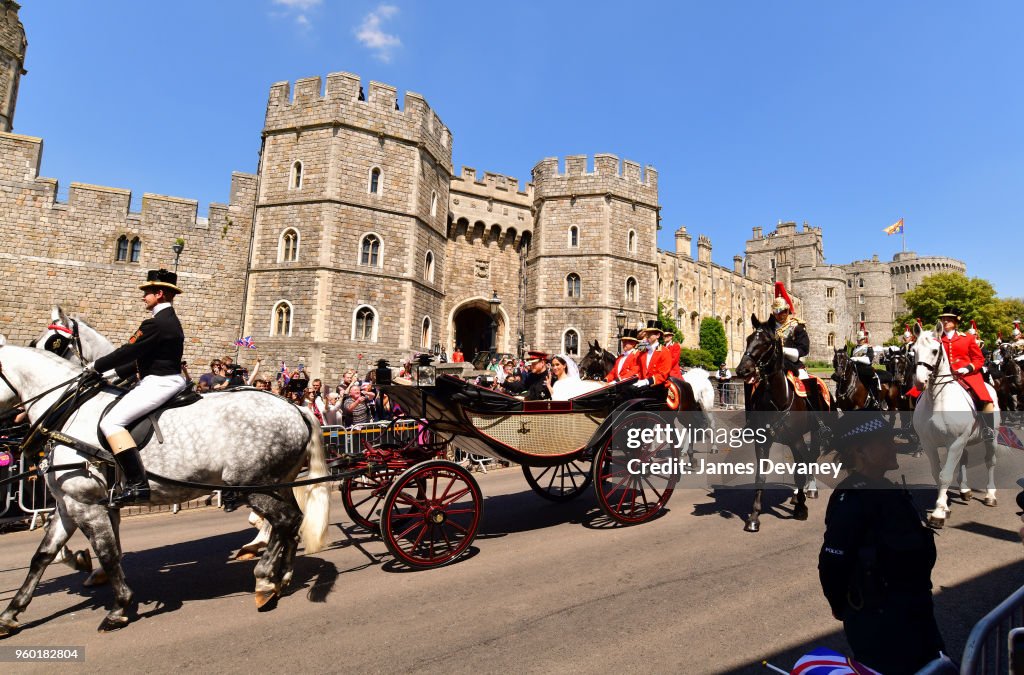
column 876, row 561
column 154, row 351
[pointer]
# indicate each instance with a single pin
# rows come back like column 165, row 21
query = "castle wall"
column 64, row 253
column 12, row 61
column 823, row 306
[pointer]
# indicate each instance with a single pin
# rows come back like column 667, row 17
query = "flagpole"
column 903, row 235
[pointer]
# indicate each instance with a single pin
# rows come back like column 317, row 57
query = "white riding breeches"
column 151, row 393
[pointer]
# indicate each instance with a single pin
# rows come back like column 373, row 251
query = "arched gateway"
column 471, row 328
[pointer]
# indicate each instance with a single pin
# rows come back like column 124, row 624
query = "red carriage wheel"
column 559, row 483
column 631, row 497
column 431, row 514
column 362, row 496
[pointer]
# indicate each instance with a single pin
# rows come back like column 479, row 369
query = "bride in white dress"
column 565, row 382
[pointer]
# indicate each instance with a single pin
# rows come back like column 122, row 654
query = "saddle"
column 801, row 390
column 143, row 429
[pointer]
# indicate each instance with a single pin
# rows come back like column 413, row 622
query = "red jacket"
column 673, row 350
column 658, row 369
column 629, row 367
column 963, row 352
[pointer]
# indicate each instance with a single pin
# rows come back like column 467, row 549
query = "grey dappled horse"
column 244, row 437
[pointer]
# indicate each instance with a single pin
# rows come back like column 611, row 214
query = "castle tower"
column 348, row 257
column 12, row 61
column 594, row 251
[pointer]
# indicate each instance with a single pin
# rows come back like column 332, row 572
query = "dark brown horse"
column 774, row 405
column 851, row 392
column 1008, row 381
column 597, row 362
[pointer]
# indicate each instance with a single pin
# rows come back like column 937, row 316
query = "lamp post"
column 178, row 246
column 495, row 303
column 620, row 321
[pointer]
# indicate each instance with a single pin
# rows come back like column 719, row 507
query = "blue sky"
column 845, row 115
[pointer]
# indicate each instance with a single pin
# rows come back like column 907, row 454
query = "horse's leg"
column 101, row 526
column 990, row 464
column 58, row 531
column 800, row 454
column 954, row 452
column 753, row 521
column 249, row 551
column 284, row 519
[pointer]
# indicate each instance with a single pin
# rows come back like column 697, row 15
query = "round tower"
column 12, row 60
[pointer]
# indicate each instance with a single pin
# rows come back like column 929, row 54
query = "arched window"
column 370, row 251
column 862, row 316
column 296, row 180
column 428, row 267
column 281, row 320
column 425, row 334
column 574, row 237
column 375, row 181
column 831, row 339
column 571, row 343
column 121, row 253
column 631, row 290
column 572, row 285
column 136, row 250
column 830, row 317
column 631, row 241
column 433, row 204
column 364, row 324
column 288, row 246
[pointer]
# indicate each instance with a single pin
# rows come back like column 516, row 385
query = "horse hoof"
column 800, row 514
column 112, row 623
column 936, row 523
column 8, row 628
column 245, row 555
column 83, row 560
column 752, row 526
column 713, row 451
column 990, row 501
column 793, row 501
column 97, row 578
column 264, row 598
column 812, row 493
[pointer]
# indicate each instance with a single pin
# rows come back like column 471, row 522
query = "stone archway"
column 471, row 327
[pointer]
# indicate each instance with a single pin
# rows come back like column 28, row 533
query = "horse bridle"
column 769, row 354
column 75, row 340
column 932, row 368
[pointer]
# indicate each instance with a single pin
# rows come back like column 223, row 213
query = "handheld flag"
column 895, row 228
column 245, row 342
column 283, row 374
column 824, row 661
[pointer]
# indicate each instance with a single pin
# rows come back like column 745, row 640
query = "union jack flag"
column 824, row 661
column 283, row 374
column 245, row 342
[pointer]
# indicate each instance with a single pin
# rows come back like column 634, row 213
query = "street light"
column 178, row 246
column 495, row 303
column 620, row 321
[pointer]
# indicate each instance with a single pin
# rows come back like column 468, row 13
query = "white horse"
column 261, row 440
column 945, row 417
column 75, row 340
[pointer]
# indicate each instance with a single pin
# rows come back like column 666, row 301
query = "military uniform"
column 875, row 569
column 794, row 337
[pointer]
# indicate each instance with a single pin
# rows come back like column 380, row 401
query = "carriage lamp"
column 178, row 246
column 426, row 374
column 495, row 303
column 383, row 374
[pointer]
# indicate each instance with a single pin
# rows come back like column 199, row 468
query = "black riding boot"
column 876, row 391
column 136, row 487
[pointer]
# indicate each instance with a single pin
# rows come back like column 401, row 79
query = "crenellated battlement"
column 487, row 185
column 339, row 103
column 609, row 176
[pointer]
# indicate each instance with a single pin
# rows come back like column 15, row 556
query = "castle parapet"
column 607, row 178
column 340, row 103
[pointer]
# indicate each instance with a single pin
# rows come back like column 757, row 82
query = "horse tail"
column 315, row 499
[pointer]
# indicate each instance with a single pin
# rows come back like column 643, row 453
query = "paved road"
column 550, row 588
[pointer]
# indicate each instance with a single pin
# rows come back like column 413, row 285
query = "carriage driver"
column 625, row 365
column 155, row 350
column 966, row 361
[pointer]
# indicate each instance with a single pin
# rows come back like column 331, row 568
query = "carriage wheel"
column 362, row 496
column 560, row 483
column 627, row 497
column 431, row 514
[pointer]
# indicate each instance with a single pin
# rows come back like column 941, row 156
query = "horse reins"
column 75, row 342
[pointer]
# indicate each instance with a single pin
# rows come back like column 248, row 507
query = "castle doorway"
column 471, row 325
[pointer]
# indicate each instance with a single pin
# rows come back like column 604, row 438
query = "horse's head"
column 762, row 351
column 840, row 363
column 59, row 337
column 592, row 365
column 927, row 351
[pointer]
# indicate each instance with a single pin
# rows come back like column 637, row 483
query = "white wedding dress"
column 571, row 386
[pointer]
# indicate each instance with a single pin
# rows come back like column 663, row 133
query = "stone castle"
column 355, row 240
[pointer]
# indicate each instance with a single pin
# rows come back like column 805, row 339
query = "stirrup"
column 130, row 494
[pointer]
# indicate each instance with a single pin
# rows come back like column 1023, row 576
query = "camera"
column 236, row 375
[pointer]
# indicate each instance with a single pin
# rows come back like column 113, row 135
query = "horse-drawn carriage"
column 428, row 508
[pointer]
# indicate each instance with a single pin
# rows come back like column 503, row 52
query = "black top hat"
column 161, row 279
column 653, row 326
column 629, row 334
column 951, row 312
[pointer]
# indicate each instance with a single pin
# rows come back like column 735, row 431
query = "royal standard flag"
column 895, row 228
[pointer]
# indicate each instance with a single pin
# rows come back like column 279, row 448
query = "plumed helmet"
column 862, row 333
column 782, row 302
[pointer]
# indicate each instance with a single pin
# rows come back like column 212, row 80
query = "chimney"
column 737, row 264
column 683, row 240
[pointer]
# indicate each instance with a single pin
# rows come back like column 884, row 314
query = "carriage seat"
column 142, row 429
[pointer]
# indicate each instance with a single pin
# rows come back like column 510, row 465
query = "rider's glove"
column 963, row 371
column 791, row 353
column 641, row 383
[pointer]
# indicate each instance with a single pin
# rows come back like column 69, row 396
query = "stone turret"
column 12, row 61
column 683, row 243
column 737, row 264
column 703, row 249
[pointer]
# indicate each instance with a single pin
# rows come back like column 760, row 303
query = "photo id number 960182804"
column 12, row 654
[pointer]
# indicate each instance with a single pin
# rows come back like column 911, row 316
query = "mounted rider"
column 796, row 344
column 625, row 365
column 966, row 362
column 654, row 362
column 863, row 356
column 153, row 352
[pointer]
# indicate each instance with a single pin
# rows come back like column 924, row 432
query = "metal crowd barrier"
column 996, row 645
column 728, row 395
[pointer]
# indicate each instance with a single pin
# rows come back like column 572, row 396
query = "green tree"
column 712, row 340
column 973, row 297
column 668, row 325
column 697, row 358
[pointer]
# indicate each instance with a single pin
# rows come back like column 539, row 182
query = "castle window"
column 375, row 186
column 860, row 283
column 425, row 336
column 831, row 339
column 136, row 250
column 296, row 180
column 121, row 253
column 433, row 204
column 571, row 343
column 849, row 283
column 860, row 299
column 572, row 285
column 370, row 251
column 428, row 268
column 830, row 317
column 288, row 246
column 574, row 237
column 830, row 292
column 631, row 241
column 281, row 320
column 364, row 324
column 631, row 290
column 862, row 317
